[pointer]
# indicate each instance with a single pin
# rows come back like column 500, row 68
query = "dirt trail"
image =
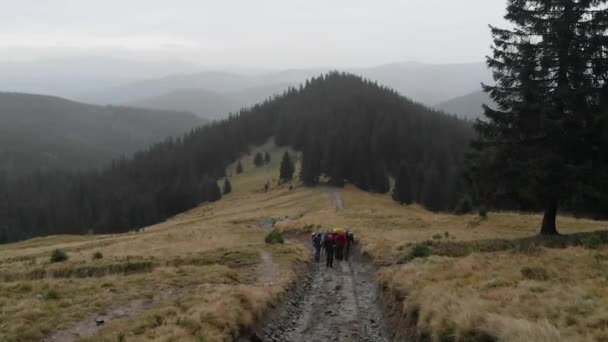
column 333, row 304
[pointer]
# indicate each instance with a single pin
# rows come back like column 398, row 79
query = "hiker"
column 316, row 243
column 350, row 239
column 330, row 245
column 340, row 244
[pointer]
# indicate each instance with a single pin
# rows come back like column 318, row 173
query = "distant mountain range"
column 45, row 132
column 468, row 106
column 214, row 94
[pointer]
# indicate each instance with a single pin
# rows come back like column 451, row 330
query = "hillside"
column 349, row 131
column 467, row 106
column 207, row 275
column 44, row 132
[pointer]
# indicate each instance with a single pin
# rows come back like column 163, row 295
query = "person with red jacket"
column 340, row 244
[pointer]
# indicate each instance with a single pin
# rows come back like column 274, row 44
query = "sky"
column 251, row 33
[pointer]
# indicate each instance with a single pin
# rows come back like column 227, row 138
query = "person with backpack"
column 330, row 245
column 340, row 244
column 316, row 243
column 350, row 239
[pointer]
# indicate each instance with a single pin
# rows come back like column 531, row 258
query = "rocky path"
column 333, row 304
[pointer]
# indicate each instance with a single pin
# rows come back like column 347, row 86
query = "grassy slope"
column 481, row 294
column 212, row 252
column 466, row 297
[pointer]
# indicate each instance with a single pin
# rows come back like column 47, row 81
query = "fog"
column 252, row 35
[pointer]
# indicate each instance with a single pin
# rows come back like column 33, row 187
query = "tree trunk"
column 549, row 227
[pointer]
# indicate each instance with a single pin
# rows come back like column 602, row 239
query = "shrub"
column 437, row 237
column 464, row 206
column 97, row 256
column 58, row 256
column 591, row 241
column 52, row 295
column 418, row 251
column 274, row 237
column 534, row 273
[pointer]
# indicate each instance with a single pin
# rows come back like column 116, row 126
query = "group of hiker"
column 336, row 244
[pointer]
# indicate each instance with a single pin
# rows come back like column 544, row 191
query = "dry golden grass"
column 215, row 257
column 482, row 296
column 213, row 253
column 495, row 295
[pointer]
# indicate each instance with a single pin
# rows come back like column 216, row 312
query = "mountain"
column 209, row 104
column 425, row 83
column 349, row 130
column 467, row 106
column 45, row 132
column 429, row 83
column 73, row 76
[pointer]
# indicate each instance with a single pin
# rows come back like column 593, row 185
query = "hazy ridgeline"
column 39, row 133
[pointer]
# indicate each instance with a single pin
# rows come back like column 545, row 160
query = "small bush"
column 52, row 295
column 591, row 241
column 59, row 256
column 97, row 256
column 418, row 251
column 274, row 237
column 534, row 273
column 437, row 237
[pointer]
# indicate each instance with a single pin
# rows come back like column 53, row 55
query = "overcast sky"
column 259, row 33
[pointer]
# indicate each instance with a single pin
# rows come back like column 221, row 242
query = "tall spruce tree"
column 239, row 168
column 287, row 168
column 267, row 158
column 536, row 145
column 258, row 159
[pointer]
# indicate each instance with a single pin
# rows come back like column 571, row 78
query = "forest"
column 349, row 129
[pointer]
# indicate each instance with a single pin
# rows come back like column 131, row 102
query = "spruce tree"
column 287, row 168
column 266, row 158
column 537, row 143
column 227, row 186
column 239, row 168
column 402, row 192
column 258, row 160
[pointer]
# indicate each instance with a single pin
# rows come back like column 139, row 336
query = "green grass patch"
column 274, row 238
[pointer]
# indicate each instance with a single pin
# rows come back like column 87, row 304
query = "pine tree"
column 538, row 140
column 258, row 160
column 239, row 168
column 267, row 158
column 227, row 186
column 402, row 192
column 287, row 168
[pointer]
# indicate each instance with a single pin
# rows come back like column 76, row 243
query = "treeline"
column 349, row 129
